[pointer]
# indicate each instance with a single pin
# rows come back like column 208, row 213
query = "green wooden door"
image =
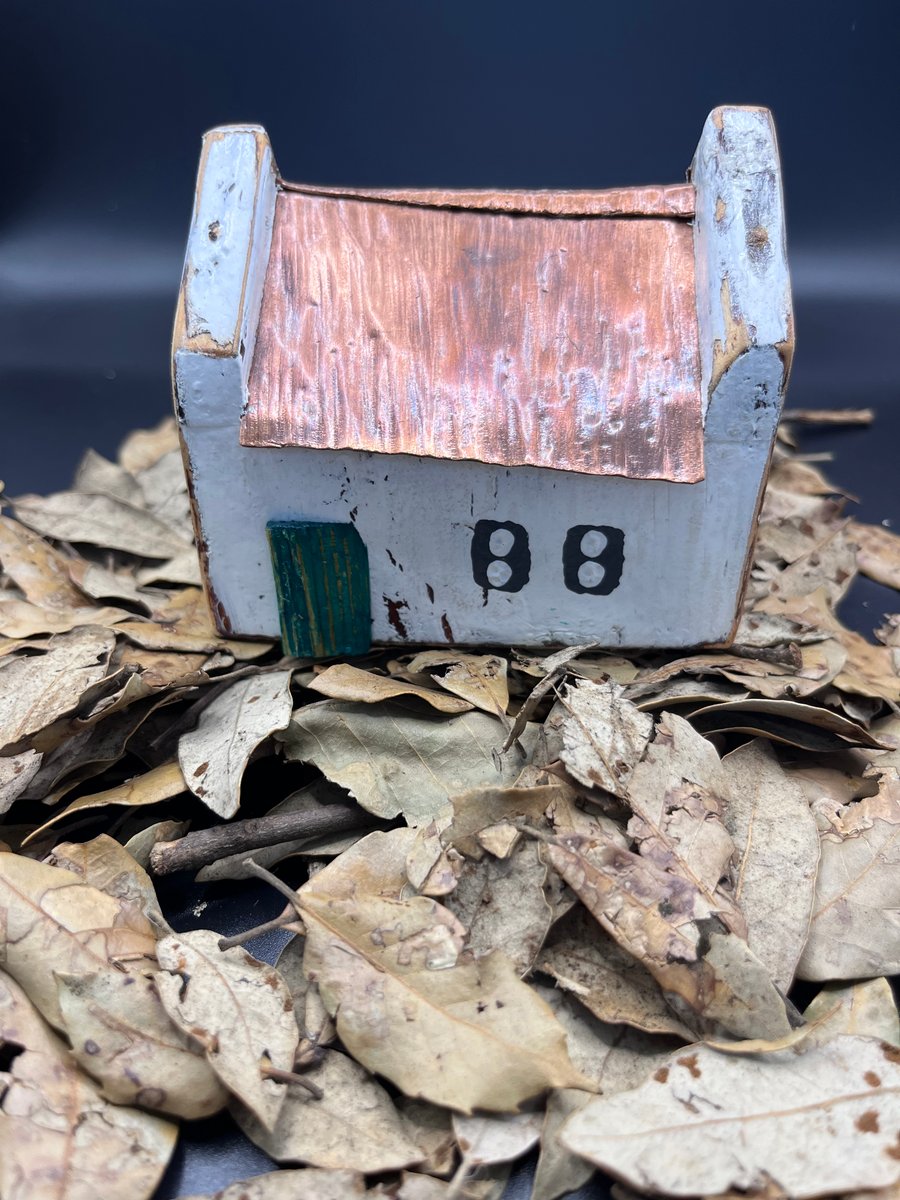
column 322, row 581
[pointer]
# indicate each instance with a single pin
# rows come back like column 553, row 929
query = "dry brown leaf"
column 827, row 788
column 19, row 619
column 59, row 1140
column 97, row 474
column 55, row 922
column 501, row 902
column 182, row 622
column 315, row 1025
column 346, row 682
column 87, row 751
column 162, row 783
column 213, row 756
column 730, row 665
column 162, row 670
column 375, row 866
column 805, row 725
column 487, row 1183
column 709, row 976
column 612, row 985
column 16, row 772
column 707, row 1122
column 818, row 663
column 878, row 554
column 304, row 1184
column 144, row 447
column 100, row 520
column 164, row 491
column 829, row 565
column 678, row 794
column 353, row 1126
column 460, row 1033
column 37, row 689
column 854, row 933
column 570, row 815
column 479, row 679
column 479, row 808
column 238, row 1009
column 121, row 1035
column 117, row 691
column 431, row 1128
column 142, row 842
column 603, row 735
column 869, row 670
column 866, row 1009
column 10, row 646
column 106, row 865
column 769, row 629
column 41, row 572
column 102, row 583
column 614, row 1059
column 776, row 840
column 500, row 839
column 432, row 870
column 696, row 692
column 395, row 758
column 486, row 1141
column 183, row 568
column 559, row 1172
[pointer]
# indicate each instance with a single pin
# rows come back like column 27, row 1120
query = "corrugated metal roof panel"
column 567, row 342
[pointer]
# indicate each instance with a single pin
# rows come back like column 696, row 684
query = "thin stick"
column 829, row 416
column 273, row 881
column 238, row 939
column 457, row 1186
column 205, row 846
column 292, row 1077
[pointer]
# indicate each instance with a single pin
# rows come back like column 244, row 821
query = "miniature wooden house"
column 530, row 418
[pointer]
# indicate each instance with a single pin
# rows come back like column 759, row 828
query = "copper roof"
column 433, row 324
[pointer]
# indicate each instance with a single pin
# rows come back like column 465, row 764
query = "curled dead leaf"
column 239, row 1010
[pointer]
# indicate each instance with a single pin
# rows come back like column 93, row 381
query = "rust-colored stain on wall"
column 567, row 342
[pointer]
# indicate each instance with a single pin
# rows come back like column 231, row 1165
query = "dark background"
column 104, row 103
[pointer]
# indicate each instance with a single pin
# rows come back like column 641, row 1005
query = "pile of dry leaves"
column 637, row 911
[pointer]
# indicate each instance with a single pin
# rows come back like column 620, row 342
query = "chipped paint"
column 737, row 337
column 394, row 608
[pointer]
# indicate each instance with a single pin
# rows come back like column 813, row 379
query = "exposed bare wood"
column 829, row 416
column 654, row 200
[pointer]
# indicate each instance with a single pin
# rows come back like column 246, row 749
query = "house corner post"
column 742, row 279
column 215, row 331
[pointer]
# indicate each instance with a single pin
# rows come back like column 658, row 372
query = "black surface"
column 103, row 109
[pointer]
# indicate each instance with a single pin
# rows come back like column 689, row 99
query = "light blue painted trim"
column 742, row 280
column 229, row 241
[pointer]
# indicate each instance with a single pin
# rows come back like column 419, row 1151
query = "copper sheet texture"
column 655, row 200
column 561, row 342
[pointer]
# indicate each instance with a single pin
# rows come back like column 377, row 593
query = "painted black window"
column 501, row 558
column 593, row 557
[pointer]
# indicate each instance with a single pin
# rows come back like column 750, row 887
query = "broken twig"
column 205, row 846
